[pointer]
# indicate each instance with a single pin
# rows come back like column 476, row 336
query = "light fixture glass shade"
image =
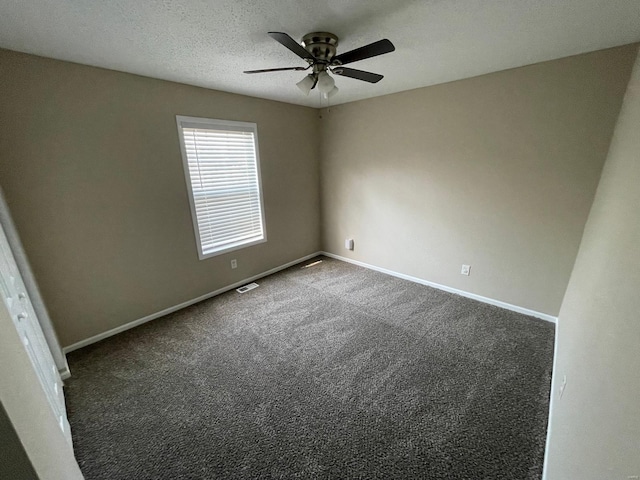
column 306, row 84
column 331, row 93
column 325, row 82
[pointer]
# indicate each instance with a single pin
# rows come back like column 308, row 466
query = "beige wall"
column 30, row 414
column 497, row 171
column 91, row 169
column 595, row 424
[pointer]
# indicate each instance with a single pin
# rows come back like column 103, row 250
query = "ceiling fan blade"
column 372, row 50
column 275, row 69
column 358, row 74
column 291, row 44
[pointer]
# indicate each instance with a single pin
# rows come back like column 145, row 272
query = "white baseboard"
column 64, row 373
column 96, row 338
column 166, row 311
column 490, row 301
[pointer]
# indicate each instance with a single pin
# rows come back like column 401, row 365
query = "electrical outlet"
column 466, row 270
column 234, row 263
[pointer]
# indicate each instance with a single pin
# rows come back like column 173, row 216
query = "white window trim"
column 185, row 121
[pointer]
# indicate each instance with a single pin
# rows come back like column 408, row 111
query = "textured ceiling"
column 210, row 42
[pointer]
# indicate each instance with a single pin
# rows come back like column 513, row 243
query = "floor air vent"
column 246, row 288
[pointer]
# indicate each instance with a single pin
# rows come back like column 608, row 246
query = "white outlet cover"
column 466, row 269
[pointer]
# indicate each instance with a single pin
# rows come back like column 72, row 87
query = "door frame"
column 32, row 289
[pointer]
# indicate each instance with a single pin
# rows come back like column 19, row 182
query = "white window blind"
column 223, row 176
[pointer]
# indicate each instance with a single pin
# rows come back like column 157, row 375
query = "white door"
column 14, row 295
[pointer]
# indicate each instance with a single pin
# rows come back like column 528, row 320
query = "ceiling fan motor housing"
column 322, row 45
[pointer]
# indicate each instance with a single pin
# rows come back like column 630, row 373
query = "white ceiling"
column 209, row 43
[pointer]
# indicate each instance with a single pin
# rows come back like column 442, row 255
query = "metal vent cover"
column 247, row 287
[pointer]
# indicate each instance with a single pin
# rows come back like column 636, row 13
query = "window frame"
column 231, row 125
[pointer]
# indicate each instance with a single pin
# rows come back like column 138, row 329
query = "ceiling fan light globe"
column 331, row 92
column 306, row 84
column 325, row 82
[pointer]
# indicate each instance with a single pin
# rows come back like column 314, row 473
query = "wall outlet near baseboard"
column 348, row 244
column 234, row 263
column 466, row 270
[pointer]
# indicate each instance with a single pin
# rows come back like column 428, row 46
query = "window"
column 222, row 171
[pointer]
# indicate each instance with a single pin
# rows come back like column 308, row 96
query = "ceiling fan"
column 318, row 49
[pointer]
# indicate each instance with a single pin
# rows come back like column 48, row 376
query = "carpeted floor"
column 332, row 371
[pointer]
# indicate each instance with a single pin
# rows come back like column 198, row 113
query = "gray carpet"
column 333, row 371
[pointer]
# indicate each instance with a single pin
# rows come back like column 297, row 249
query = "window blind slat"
column 224, row 203
column 213, row 219
column 221, row 246
column 221, row 223
column 225, row 234
column 223, row 237
column 208, row 197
